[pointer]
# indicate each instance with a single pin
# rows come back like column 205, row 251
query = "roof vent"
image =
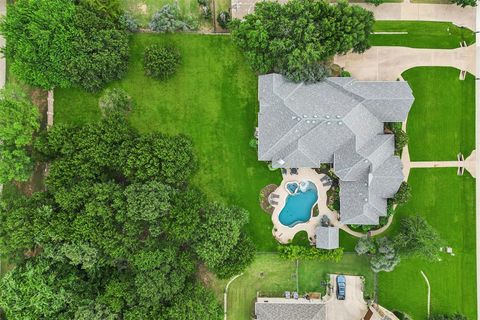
column 308, row 121
column 294, row 117
column 366, row 184
column 281, row 162
column 366, row 161
column 313, row 121
column 304, row 115
column 366, row 199
column 315, row 116
column 327, row 116
column 340, row 123
column 328, row 122
column 338, row 116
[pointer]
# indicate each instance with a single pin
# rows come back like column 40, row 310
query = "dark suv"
column 341, row 284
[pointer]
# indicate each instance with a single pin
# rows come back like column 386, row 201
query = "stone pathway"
column 388, row 63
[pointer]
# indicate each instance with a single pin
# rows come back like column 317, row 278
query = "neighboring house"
column 338, row 121
column 354, row 307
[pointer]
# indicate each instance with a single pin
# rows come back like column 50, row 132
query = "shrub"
column 224, row 19
column 464, row 3
column 206, row 12
column 308, row 73
column 403, row 194
column 376, row 3
column 115, row 101
column 293, row 252
column 168, row 19
column 345, row 74
column 161, row 62
column 128, row 22
column 456, row 316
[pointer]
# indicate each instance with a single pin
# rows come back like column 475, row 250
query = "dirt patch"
column 142, row 8
column 264, row 193
column 205, row 276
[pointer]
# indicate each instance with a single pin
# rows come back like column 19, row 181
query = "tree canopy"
column 299, row 36
column 58, row 43
column 418, row 238
column 19, row 119
column 119, row 232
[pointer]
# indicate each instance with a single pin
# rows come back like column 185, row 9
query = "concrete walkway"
column 388, row 63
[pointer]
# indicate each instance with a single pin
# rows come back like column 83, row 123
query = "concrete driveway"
column 388, row 63
column 353, row 307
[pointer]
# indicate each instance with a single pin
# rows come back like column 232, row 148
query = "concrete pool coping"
column 285, row 234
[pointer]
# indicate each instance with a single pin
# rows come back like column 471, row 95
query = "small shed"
column 327, row 237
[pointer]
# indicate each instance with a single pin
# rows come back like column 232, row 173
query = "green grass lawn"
column 441, row 122
column 421, row 34
column 213, row 99
column 272, row 276
column 447, row 201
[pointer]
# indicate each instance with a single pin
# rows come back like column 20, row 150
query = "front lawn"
column 213, row 99
column 447, row 201
column 421, row 34
column 272, row 276
column 441, row 122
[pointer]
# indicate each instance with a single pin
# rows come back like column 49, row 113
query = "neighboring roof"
column 339, row 121
column 289, row 311
column 327, row 237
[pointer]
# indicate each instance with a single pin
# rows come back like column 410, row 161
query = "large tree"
column 19, row 119
column 418, row 238
column 119, row 229
column 296, row 38
column 58, row 43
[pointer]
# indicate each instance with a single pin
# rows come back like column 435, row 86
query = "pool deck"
column 285, row 234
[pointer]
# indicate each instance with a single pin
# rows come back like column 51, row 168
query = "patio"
column 284, row 234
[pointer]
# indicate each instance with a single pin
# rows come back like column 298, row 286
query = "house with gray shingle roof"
column 326, row 237
column 289, row 310
column 338, row 121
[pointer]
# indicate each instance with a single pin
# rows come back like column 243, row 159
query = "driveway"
column 353, row 307
column 427, row 12
column 388, row 63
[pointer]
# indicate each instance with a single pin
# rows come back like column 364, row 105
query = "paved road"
column 388, row 63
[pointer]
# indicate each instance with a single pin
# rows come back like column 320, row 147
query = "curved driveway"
column 388, row 63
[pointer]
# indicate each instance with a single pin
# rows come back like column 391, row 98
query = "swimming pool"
column 298, row 206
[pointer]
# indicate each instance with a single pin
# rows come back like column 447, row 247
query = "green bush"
column 376, row 3
column 294, row 252
column 224, row 19
column 314, row 72
column 115, row 101
column 161, row 62
column 168, row 19
column 345, row 74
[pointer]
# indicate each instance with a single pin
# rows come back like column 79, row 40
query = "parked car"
column 341, row 287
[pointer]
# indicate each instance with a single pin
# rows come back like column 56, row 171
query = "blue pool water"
column 298, row 206
column 292, row 187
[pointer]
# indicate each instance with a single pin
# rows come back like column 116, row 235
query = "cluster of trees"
column 19, row 120
column 383, row 256
column 64, row 43
column 297, row 38
column 416, row 238
column 295, row 252
column 119, row 232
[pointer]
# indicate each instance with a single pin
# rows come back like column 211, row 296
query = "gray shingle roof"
column 339, row 121
column 290, row 311
column 327, row 237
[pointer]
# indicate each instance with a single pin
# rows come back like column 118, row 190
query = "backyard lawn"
column 272, row 276
column 212, row 99
column 441, row 122
column 447, row 201
column 421, row 34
